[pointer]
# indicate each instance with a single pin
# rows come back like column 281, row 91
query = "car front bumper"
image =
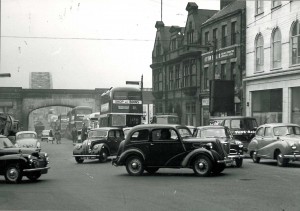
column 43, row 170
column 294, row 156
column 226, row 161
column 235, row 156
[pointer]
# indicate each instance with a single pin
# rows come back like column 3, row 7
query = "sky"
column 84, row 44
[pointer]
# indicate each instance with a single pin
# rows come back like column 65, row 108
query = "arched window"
column 276, row 49
column 259, row 53
column 295, row 40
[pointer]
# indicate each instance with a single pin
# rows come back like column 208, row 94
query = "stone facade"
column 273, row 64
column 40, row 80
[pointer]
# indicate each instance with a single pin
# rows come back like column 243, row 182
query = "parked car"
column 100, row 144
column 18, row 162
column 27, row 139
column 242, row 127
column 45, row 135
column 277, row 141
column 233, row 147
column 153, row 146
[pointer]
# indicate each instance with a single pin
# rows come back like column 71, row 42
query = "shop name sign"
column 223, row 54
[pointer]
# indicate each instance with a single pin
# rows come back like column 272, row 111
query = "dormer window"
column 190, row 33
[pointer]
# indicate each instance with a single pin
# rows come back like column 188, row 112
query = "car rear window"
column 140, row 135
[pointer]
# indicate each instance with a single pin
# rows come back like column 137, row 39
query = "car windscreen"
column 26, row 135
column 5, row 143
column 97, row 133
column 184, row 132
column 286, row 130
column 243, row 123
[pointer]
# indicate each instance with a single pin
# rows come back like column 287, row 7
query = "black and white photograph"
column 149, row 105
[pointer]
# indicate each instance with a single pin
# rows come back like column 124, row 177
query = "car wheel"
column 218, row 168
column 282, row 162
column 34, row 176
column 255, row 158
column 13, row 174
column 79, row 159
column 134, row 166
column 151, row 170
column 103, row 156
column 202, row 166
column 238, row 162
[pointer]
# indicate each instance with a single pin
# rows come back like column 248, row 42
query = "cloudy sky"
column 84, row 44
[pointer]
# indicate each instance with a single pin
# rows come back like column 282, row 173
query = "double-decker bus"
column 75, row 117
column 63, row 121
column 121, row 107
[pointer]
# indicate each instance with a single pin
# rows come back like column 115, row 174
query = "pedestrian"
column 83, row 132
column 74, row 135
column 51, row 136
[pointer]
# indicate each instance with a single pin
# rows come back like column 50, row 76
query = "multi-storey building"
column 273, row 61
column 176, row 62
column 224, row 32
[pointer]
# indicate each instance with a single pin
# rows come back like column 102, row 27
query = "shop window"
column 267, row 106
column 295, row 118
column 259, row 53
column 276, row 48
column 295, row 42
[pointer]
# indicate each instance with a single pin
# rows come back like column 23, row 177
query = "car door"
column 112, row 142
column 259, row 137
column 165, row 151
column 266, row 143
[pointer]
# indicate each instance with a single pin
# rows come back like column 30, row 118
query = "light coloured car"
column 277, row 141
column 27, row 139
column 45, row 135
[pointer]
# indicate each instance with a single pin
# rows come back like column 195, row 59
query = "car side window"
column 268, row 132
column 111, row 134
column 164, row 135
column 227, row 123
column 260, row 131
column 140, row 135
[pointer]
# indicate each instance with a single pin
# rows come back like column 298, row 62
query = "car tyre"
column 79, row 159
column 202, row 166
column 151, row 170
column 255, row 158
column 134, row 166
column 281, row 162
column 13, row 174
column 34, row 176
column 218, row 168
column 239, row 162
column 103, row 156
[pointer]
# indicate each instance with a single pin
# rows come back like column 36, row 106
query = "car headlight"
column 294, row 147
column 78, row 146
column 209, row 146
column 96, row 146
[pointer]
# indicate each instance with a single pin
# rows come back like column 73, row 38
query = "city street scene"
column 150, row 105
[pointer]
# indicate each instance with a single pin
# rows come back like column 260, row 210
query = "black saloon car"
column 233, row 147
column 100, row 144
column 18, row 162
column 154, row 146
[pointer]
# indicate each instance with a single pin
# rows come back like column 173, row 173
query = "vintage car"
column 18, row 162
column 242, row 127
column 233, row 147
column 277, row 141
column 100, row 144
column 153, row 146
column 27, row 139
column 45, row 135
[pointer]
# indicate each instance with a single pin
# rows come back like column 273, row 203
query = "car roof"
column 211, row 127
column 158, row 126
column 22, row 132
column 231, row 117
column 106, row 128
column 278, row 124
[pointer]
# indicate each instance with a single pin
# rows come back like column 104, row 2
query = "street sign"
column 133, row 82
